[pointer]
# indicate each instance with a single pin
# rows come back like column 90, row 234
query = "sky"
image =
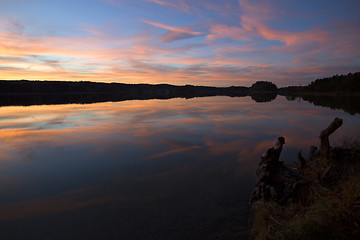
column 202, row 42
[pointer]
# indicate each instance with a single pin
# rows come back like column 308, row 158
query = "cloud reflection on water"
column 170, row 153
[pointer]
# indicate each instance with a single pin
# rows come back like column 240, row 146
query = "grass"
column 325, row 211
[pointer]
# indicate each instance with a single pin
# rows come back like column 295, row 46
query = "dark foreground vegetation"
column 319, row 198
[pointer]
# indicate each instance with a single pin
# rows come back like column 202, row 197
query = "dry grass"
column 330, row 212
column 351, row 142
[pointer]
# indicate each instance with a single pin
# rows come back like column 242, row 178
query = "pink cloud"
column 240, row 59
column 170, row 28
column 253, row 25
column 219, row 31
column 175, row 33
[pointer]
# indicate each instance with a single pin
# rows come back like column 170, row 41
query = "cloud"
column 175, row 33
column 15, row 26
column 175, row 36
column 173, row 151
column 227, row 43
column 54, row 63
column 224, row 8
column 43, row 206
column 148, row 67
column 253, row 26
column 170, row 28
column 178, row 4
column 218, row 31
column 11, row 59
column 118, row 3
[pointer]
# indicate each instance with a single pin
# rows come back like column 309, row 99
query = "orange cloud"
column 239, row 48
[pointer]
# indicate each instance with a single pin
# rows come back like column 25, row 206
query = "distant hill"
column 60, row 87
column 24, row 92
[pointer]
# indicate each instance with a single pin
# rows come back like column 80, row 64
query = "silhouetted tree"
column 263, row 86
column 337, row 83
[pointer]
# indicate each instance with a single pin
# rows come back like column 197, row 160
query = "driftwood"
column 312, row 153
column 280, row 183
column 301, row 160
column 324, row 137
column 275, row 180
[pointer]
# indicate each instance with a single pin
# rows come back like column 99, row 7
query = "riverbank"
column 322, row 203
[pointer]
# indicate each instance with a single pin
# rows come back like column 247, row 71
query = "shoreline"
column 317, row 198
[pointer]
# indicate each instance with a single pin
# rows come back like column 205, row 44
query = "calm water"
column 145, row 169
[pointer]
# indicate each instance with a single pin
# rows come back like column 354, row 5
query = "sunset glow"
column 204, row 42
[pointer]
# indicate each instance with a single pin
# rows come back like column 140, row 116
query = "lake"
column 146, row 169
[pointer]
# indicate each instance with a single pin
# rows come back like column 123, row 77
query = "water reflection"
column 154, row 169
column 263, row 96
column 346, row 102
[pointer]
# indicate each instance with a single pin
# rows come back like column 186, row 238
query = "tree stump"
column 279, row 183
column 324, row 137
